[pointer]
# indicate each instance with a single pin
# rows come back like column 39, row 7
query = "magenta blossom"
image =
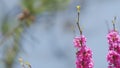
column 113, row 56
column 84, row 54
column 114, row 59
column 113, row 38
column 79, row 41
column 84, row 58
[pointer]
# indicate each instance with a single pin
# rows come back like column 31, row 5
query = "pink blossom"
column 117, row 49
column 114, row 59
column 84, row 54
column 84, row 58
column 113, row 37
column 113, row 56
column 79, row 41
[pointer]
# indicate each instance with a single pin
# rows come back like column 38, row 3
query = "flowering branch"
column 113, row 56
column 84, row 54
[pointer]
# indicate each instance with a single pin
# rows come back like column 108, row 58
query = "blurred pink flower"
column 113, row 38
column 79, row 41
column 113, row 56
column 84, row 54
column 114, row 59
column 84, row 58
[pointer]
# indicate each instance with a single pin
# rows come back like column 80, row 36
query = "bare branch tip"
column 78, row 8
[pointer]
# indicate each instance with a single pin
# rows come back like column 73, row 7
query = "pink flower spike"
column 79, row 41
column 113, row 57
column 84, row 58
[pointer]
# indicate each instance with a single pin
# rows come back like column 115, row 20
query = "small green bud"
column 78, row 8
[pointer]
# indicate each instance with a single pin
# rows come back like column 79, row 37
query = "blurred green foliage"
column 38, row 6
column 5, row 25
column 34, row 7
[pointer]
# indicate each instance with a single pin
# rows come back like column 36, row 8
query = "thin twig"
column 114, row 23
column 78, row 24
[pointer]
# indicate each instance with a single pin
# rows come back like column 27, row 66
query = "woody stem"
column 78, row 24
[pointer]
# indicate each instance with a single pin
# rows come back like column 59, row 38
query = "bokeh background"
column 42, row 31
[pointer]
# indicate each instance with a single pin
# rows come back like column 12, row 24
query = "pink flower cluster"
column 79, row 41
column 84, row 54
column 113, row 56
